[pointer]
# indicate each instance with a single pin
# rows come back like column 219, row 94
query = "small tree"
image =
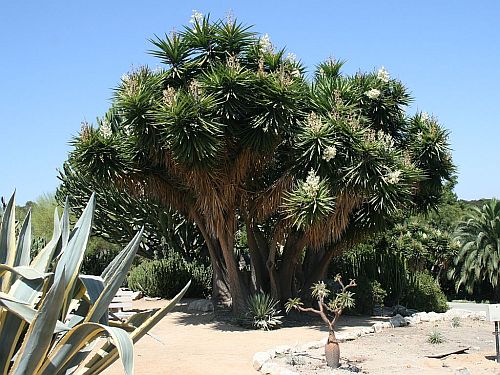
column 330, row 313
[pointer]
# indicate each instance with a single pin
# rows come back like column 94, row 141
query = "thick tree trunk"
column 258, row 261
column 332, row 350
column 290, row 260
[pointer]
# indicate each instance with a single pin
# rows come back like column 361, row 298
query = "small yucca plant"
column 262, row 312
column 50, row 315
column 435, row 337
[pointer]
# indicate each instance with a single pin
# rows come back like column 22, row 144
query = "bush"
column 162, row 278
column 369, row 293
column 424, row 294
column 262, row 312
column 97, row 260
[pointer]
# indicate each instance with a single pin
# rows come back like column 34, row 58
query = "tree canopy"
column 233, row 134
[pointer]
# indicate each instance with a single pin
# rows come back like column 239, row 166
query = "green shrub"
column 162, row 277
column 369, row 293
column 424, row 294
column 262, row 312
column 96, row 261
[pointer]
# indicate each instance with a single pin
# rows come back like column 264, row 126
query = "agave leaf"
column 65, row 229
column 117, row 263
column 72, row 257
column 37, row 340
column 25, row 272
column 108, row 353
column 24, row 311
column 116, row 280
column 61, row 357
column 8, row 240
column 24, row 243
column 44, row 258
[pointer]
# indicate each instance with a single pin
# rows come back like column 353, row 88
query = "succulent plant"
column 51, row 317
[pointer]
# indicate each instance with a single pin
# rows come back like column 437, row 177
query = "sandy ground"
column 204, row 343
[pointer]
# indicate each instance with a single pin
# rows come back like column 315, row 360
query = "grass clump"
column 435, row 337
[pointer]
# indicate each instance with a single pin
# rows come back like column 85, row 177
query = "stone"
column 398, row 321
column 461, row 371
column 203, row 305
column 379, row 326
column 259, row 359
column 282, row 349
column 424, row 317
column 137, row 295
column 270, row 368
column 434, row 316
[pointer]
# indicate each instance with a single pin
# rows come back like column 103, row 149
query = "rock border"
column 262, row 361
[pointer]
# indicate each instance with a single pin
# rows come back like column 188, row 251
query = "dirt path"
column 195, row 344
column 199, row 344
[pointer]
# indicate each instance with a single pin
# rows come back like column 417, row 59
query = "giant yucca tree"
column 232, row 134
column 478, row 260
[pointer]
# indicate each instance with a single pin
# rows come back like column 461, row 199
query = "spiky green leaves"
column 189, row 130
column 479, row 239
column 309, row 202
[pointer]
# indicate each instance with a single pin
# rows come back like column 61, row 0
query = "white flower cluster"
column 125, row 77
column 373, row 93
column 265, row 44
column 291, row 58
column 169, row 95
column 393, row 177
column 314, row 122
column 128, row 129
column 195, row 88
column 425, row 116
column 383, row 75
column 385, row 139
column 329, row 153
column 196, row 17
column 105, row 129
column 311, row 186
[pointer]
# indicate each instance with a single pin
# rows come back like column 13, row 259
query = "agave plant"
column 262, row 312
column 51, row 317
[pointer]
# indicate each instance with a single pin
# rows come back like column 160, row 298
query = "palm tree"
column 235, row 137
column 479, row 257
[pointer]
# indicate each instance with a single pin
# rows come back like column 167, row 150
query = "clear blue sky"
column 59, row 61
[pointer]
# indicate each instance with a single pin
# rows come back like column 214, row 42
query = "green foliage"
column 424, row 294
column 51, row 321
column 98, row 256
column 231, row 129
column 369, row 293
column 479, row 256
column 162, row 277
column 262, row 312
column 435, row 337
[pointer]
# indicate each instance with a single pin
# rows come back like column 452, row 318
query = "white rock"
column 282, row 349
column 270, row 368
column 202, row 305
column 259, row 359
column 424, row 317
column 462, row 371
column 285, row 371
column 434, row 316
column 379, row 326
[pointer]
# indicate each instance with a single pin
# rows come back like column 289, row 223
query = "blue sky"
column 59, row 61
